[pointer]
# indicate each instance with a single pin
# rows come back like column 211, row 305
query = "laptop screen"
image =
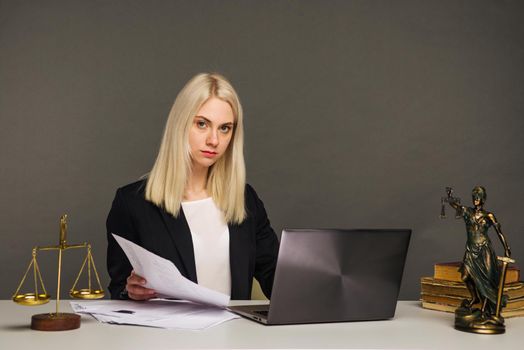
column 326, row 275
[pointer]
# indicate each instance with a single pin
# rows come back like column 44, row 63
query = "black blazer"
column 253, row 245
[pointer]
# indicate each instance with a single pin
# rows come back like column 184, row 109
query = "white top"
column 210, row 236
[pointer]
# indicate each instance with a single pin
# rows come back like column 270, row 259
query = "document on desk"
column 163, row 276
column 171, row 314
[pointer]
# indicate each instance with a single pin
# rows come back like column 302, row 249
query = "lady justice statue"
column 480, row 267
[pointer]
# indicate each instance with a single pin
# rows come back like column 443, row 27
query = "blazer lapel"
column 181, row 235
column 239, row 261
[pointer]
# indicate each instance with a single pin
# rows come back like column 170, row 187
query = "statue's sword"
column 505, row 262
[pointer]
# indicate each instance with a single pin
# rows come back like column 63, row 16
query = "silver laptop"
column 330, row 275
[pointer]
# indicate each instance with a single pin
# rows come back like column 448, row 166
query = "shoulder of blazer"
column 135, row 190
column 252, row 202
column 249, row 195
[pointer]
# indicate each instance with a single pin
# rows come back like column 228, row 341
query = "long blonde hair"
column 226, row 178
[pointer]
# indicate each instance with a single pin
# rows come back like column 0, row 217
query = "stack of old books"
column 445, row 290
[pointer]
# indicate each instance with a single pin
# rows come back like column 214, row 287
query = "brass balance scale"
column 58, row 321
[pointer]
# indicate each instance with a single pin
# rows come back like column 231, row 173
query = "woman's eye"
column 225, row 128
column 201, row 124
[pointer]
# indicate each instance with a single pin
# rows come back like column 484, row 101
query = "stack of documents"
column 195, row 307
column 160, row 313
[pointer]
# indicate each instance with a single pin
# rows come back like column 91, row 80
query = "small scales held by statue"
column 58, row 321
column 482, row 271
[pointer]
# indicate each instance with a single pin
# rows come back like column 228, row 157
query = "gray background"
column 358, row 114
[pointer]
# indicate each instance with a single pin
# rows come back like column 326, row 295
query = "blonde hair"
column 226, row 178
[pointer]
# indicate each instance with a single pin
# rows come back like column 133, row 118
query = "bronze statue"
column 480, row 268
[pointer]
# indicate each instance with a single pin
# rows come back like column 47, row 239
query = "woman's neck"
column 196, row 185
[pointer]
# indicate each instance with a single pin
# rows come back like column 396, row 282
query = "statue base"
column 473, row 320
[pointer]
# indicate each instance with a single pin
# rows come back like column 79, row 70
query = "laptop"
column 332, row 275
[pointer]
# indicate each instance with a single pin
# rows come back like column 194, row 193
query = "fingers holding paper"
column 136, row 290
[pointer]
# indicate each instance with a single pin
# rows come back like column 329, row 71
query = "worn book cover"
column 450, row 271
column 430, row 285
column 449, row 308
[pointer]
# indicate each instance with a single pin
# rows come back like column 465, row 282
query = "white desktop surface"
column 411, row 328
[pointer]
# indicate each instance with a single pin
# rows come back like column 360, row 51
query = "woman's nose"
column 212, row 138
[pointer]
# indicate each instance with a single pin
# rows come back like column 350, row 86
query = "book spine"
column 450, row 272
column 449, row 308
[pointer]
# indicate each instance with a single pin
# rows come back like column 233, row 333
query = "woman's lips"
column 209, row 154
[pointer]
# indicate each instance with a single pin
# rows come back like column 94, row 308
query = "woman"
column 195, row 208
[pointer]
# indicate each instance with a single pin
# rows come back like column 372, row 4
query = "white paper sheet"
column 163, row 276
column 155, row 313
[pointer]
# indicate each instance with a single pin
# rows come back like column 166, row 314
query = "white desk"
column 412, row 327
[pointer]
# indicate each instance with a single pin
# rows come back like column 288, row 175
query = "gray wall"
column 358, row 113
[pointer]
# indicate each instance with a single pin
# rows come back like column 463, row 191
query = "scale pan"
column 31, row 299
column 87, row 294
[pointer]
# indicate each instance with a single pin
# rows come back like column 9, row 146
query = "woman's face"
column 211, row 132
column 478, row 200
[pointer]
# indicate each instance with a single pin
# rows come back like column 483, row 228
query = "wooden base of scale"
column 55, row 322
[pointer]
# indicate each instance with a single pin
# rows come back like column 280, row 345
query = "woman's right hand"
column 136, row 290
